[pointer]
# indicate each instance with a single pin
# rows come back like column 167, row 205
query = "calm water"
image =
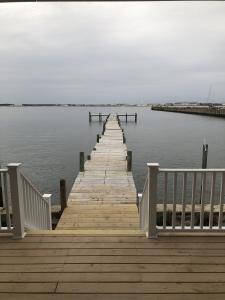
column 47, row 141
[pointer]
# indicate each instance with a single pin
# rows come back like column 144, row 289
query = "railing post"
column 153, row 169
column 47, row 197
column 89, row 117
column 17, row 200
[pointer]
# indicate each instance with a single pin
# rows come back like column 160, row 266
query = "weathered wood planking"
column 112, row 267
column 104, row 195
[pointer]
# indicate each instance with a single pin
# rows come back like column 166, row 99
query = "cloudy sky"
column 112, row 52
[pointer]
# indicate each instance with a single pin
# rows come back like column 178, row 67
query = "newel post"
column 17, row 200
column 153, row 170
column 47, row 198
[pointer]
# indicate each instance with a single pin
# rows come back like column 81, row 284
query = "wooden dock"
column 98, row 251
column 104, row 195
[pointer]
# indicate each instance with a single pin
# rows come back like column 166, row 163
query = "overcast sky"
column 112, row 52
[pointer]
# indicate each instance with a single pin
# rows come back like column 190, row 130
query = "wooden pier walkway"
column 104, row 195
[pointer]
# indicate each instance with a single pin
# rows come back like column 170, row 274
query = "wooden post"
column 135, row 117
column 126, row 117
column 100, row 117
column 124, row 139
column 63, row 199
column 129, row 161
column 153, row 170
column 81, row 161
column 103, row 131
column 89, row 117
column 204, row 156
column 98, row 138
column 17, row 200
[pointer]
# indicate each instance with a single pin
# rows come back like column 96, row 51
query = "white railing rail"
column 182, row 200
column 24, row 206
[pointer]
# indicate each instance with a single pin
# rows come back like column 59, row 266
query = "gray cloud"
column 111, row 52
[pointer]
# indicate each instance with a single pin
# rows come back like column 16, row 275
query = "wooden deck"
column 104, row 195
column 68, row 266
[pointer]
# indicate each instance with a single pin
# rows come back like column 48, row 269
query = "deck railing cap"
column 47, row 195
column 153, row 164
column 14, row 165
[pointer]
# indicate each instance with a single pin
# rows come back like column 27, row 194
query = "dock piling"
column 81, row 161
column 63, row 200
column 204, row 156
column 129, row 161
column 98, row 138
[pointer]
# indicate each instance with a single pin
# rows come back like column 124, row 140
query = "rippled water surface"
column 47, row 141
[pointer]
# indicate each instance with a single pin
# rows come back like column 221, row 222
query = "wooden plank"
column 115, row 296
column 111, row 277
column 27, row 287
column 109, row 245
column 136, row 288
column 112, row 267
column 190, row 260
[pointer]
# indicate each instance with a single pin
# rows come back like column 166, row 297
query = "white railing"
column 24, row 206
column 37, row 207
column 182, row 200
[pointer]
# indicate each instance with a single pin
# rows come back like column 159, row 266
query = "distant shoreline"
column 74, row 105
column 216, row 111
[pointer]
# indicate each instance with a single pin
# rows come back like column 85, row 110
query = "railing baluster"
column 184, row 200
column 222, row 191
column 212, row 195
column 165, row 199
column 203, row 187
column 193, row 200
column 174, row 200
